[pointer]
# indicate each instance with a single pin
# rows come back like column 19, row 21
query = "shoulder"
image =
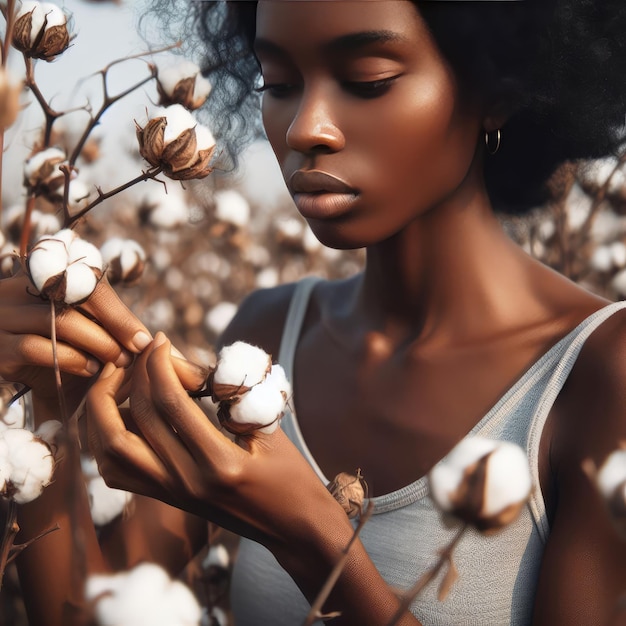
column 592, row 406
column 260, row 318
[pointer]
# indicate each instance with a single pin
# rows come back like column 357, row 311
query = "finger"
column 34, row 350
column 192, row 376
column 105, row 305
column 111, row 443
column 157, row 431
column 71, row 327
column 184, row 415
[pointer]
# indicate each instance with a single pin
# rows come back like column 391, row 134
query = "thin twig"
column 9, row 531
column 109, row 100
column 316, row 608
column 444, row 557
column 17, row 549
column 78, row 557
column 102, row 196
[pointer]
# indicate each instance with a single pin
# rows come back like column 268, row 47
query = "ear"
column 498, row 114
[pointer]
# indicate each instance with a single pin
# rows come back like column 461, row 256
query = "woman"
column 383, row 119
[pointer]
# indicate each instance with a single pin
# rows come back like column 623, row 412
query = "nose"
column 314, row 127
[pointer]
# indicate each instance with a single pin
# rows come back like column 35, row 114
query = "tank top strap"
column 286, row 354
column 293, row 322
column 568, row 354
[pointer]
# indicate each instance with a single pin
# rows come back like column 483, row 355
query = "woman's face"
column 363, row 114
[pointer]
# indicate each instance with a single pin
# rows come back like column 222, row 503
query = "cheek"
column 424, row 146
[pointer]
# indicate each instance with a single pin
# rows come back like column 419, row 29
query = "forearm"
column 52, row 569
column 360, row 594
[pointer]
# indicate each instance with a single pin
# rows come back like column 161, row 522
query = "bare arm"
column 102, row 330
column 264, row 489
column 584, row 567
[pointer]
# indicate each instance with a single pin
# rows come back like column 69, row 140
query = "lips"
column 317, row 182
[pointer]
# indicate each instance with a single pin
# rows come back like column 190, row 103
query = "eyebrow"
column 351, row 42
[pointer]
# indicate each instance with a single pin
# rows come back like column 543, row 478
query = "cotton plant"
column 142, row 596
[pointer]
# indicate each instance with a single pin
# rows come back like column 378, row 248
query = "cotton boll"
column 105, row 503
column 267, row 278
column 612, row 473
column 618, row 283
column 231, row 207
column 144, row 596
column 125, row 259
column 78, row 194
column 261, row 407
column 80, row 283
column 218, row 318
column 48, row 431
column 217, row 556
column 47, row 259
column 32, row 464
column 602, row 259
column 483, row 482
column 610, row 480
column 508, row 482
column 241, row 364
column 85, row 252
column 214, row 617
column 618, row 254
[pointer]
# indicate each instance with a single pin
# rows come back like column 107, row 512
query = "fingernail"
column 141, row 340
column 92, row 366
column 108, row 370
column 176, row 352
column 124, row 359
column 160, row 339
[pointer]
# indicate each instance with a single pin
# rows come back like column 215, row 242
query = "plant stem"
column 9, row 531
column 26, row 228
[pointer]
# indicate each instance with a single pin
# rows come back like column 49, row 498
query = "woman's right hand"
column 100, row 330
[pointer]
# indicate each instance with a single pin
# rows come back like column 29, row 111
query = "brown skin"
column 395, row 365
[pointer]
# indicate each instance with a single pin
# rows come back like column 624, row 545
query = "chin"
column 339, row 237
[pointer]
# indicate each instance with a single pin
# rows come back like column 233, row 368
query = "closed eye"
column 370, row 89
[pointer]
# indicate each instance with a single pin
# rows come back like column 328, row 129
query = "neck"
column 446, row 278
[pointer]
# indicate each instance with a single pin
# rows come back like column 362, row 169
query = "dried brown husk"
column 116, row 274
column 151, row 141
column 350, row 491
column 21, row 32
column 48, row 43
column 53, row 42
column 221, row 392
column 48, row 178
column 180, row 158
column 182, row 94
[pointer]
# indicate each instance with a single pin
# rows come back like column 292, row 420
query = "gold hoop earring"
column 488, row 142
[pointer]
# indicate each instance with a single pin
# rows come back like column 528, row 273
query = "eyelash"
column 362, row 89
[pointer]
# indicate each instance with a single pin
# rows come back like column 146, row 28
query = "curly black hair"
column 557, row 66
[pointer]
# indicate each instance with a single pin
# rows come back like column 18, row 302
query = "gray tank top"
column 497, row 573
